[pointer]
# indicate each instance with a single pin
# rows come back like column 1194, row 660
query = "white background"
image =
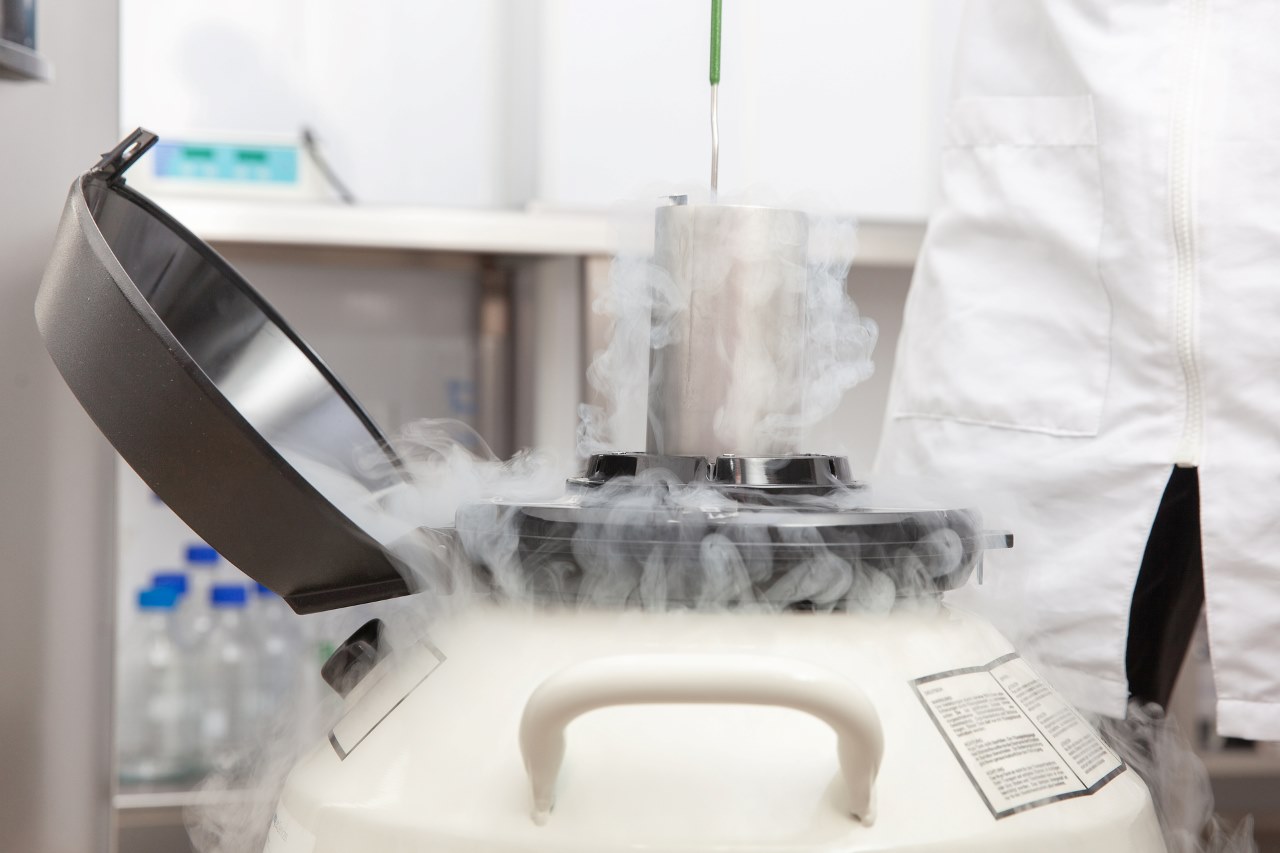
column 563, row 103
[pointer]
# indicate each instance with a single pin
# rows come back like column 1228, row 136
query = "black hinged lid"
column 210, row 396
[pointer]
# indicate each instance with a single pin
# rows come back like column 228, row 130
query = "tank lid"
column 221, row 407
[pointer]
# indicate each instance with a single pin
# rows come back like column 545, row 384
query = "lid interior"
column 222, row 409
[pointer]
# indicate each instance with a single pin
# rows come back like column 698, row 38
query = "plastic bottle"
column 204, row 565
column 229, row 675
column 184, row 610
column 187, row 630
column 203, row 572
column 155, row 722
column 279, row 644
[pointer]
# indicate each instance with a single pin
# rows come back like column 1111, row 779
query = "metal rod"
column 715, row 142
column 715, row 105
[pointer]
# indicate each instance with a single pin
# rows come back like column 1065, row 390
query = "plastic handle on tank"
column 701, row 679
column 715, row 42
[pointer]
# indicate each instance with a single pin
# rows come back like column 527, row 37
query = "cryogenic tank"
column 603, row 688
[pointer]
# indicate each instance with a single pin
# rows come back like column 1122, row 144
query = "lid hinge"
column 117, row 161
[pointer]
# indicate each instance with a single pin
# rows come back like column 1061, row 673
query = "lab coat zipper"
column 1182, row 191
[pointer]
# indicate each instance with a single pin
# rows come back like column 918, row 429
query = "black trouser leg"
column 1169, row 593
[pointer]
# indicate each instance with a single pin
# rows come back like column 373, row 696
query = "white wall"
column 823, row 103
column 564, row 103
column 55, row 540
column 404, row 94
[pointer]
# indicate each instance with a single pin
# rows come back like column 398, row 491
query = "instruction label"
column 1020, row 743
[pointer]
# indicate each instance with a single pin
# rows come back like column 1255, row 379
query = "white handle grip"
column 701, row 679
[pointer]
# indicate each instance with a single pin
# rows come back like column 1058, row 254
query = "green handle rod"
column 715, row 42
column 715, row 86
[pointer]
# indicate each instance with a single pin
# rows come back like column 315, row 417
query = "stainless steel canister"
column 727, row 365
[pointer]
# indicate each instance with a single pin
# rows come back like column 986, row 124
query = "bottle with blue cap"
column 203, row 568
column 183, row 609
column 156, row 719
column 230, row 678
column 279, row 643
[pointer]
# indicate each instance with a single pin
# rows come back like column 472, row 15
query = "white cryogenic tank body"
column 529, row 729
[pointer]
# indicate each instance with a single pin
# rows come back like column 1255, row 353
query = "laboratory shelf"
column 500, row 232
column 137, row 797
column 18, row 62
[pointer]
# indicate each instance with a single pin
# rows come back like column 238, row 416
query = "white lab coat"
column 1098, row 299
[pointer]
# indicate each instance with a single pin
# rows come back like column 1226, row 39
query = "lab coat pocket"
column 1008, row 321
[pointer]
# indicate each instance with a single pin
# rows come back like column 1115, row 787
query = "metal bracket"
column 117, row 161
column 355, row 657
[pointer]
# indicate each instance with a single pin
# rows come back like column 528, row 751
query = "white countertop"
column 506, row 232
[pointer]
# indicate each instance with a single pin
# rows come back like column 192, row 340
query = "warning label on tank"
column 1020, row 743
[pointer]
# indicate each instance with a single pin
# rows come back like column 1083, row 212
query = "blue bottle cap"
column 177, row 580
column 227, row 595
column 158, row 598
column 201, row 555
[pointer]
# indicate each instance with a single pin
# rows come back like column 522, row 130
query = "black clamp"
column 355, row 657
column 117, row 161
